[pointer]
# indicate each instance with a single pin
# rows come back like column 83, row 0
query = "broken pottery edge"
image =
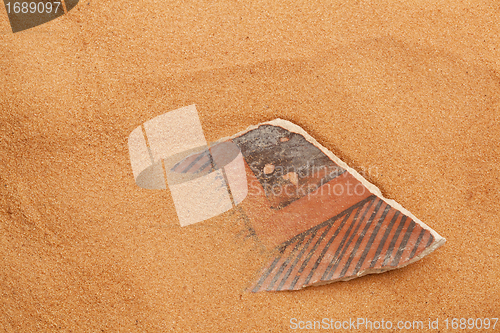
column 438, row 239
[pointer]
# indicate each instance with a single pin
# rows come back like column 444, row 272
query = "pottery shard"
column 333, row 226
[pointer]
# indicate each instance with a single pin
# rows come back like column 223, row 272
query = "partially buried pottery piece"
column 323, row 220
column 319, row 220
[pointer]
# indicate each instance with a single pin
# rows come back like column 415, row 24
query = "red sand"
column 407, row 93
